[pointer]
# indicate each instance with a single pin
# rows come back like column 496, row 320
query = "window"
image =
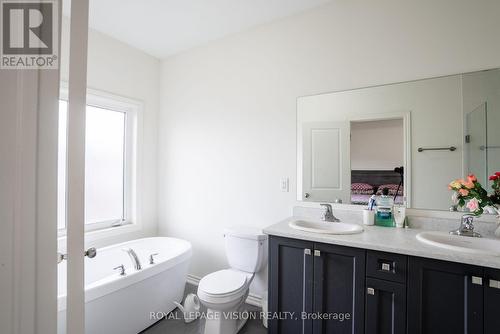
column 109, row 162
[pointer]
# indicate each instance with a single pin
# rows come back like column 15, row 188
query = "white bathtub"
column 117, row 304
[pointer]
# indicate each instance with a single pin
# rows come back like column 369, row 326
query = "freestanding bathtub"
column 117, row 304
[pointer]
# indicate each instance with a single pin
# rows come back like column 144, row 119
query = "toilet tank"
column 246, row 248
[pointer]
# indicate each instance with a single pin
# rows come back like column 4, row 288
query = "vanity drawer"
column 387, row 266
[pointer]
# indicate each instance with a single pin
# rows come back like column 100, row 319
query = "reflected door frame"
column 407, row 149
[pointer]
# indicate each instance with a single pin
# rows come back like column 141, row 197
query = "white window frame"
column 133, row 110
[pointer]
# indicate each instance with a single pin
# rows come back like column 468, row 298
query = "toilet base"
column 224, row 322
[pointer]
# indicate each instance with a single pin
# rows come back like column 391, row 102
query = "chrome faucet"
column 133, row 256
column 327, row 214
column 466, row 228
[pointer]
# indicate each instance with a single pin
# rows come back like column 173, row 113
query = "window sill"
column 104, row 233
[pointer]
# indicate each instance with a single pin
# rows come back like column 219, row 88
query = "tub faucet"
column 133, row 256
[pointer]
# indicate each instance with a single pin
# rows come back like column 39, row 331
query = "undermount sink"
column 460, row 243
column 326, row 227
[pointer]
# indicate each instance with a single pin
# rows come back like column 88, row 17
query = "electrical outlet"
column 284, row 184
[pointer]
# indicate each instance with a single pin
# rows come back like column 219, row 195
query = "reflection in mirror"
column 412, row 138
column 372, row 170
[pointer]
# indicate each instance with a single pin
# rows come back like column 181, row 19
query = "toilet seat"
column 224, row 286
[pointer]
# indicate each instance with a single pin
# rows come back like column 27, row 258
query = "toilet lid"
column 223, row 282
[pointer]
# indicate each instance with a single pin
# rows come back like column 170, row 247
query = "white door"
column 75, row 187
column 326, row 170
column 28, row 190
column 28, row 231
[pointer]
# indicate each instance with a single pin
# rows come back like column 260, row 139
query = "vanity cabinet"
column 382, row 292
column 314, row 279
column 385, row 306
column 491, row 301
column 290, row 285
column 339, row 281
column 444, row 297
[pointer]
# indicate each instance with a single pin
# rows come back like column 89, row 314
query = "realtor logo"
column 29, row 34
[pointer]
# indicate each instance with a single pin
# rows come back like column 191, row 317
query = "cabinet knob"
column 370, row 291
column 307, row 195
column 477, row 280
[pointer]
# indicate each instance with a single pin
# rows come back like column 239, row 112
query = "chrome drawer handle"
column 386, row 267
column 317, row 253
column 307, row 251
column 477, row 280
column 370, row 291
column 494, row 284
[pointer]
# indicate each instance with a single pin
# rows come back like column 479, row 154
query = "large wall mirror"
column 412, row 138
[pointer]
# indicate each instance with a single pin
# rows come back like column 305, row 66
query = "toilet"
column 224, row 292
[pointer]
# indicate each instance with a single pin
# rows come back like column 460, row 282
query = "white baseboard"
column 252, row 299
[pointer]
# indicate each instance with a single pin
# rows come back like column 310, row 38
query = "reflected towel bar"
column 451, row 148
column 482, row 147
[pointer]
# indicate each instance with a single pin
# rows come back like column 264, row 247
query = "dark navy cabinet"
column 385, row 306
column 290, row 285
column 492, row 301
column 376, row 293
column 311, row 280
column 444, row 297
column 339, row 280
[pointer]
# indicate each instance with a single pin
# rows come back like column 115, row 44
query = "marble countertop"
column 386, row 239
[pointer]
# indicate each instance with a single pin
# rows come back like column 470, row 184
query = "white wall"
column 377, row 145
column 228, row 109
column 122, row 70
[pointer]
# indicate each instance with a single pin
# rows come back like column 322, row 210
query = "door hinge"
column 467, row 139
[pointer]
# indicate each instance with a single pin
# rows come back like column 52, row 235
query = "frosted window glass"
column 104, row 165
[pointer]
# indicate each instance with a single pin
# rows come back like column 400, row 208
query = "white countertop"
column 386, row 239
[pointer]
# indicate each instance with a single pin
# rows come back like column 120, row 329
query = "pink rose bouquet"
column 495, row 198
column 469, row 193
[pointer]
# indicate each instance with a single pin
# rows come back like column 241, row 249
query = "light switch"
column 284, row 184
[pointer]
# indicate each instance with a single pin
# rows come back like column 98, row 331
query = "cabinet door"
column 385, row 307
column 444, row 297
column 290, row 285
column 491, row 301
column 339, row 282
